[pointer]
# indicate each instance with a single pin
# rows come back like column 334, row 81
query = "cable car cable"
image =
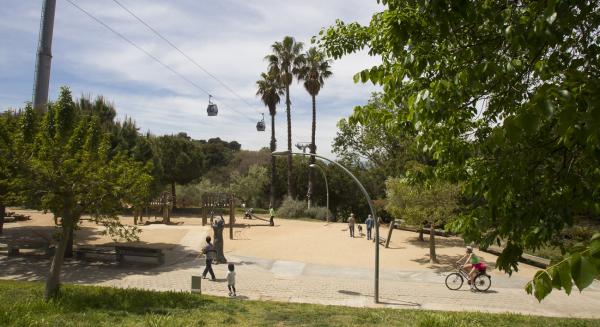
column 185, row 55
column 138, row 47
column 152, row 56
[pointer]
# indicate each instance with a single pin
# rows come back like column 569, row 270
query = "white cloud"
column 229, row 38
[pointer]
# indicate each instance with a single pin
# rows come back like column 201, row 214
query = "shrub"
column 291, row 208
column 318, row 213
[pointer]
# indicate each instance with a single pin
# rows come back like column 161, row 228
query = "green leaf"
column 364, row 76
column 583, row 271
column 528, row 122
column 529, row 287
column 542, row 285
column 556, row 282
column 564, row 271
column 595, row 247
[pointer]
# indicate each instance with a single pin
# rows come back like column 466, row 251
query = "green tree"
column 377, row 147
column 270, row 91
column 249, row 187
column 182, row 160
column 506, row 96
column 313, row 72
column 73, row 174
column 286, row 59
column 11, row 172
column 431, row 203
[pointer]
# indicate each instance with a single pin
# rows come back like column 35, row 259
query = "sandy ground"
column 330, row 244
column 41, row 226
column 314, row 242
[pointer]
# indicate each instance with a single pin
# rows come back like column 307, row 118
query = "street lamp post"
column 326, row 185
column 366, row 194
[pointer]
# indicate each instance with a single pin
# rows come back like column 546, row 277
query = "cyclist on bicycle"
column 474, row 263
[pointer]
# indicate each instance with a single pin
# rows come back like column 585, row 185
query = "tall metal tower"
column 44, row 55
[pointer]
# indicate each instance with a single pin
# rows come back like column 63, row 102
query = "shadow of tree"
column 445, row 263
column 440, row 242
column 44, row 234
column 100, row 268
column 386, row 301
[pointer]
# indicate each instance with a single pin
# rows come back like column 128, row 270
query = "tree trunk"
column 166, row 214
column 69, row 247
column 218, row 227
column 290, row 186
column 173, row 197
column 53, row 280
column 273, row 148
column 313, row 150
column 2, row 214
column 432, row 256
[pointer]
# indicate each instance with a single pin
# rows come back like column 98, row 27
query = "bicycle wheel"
column 454, row 281
column 483, row 282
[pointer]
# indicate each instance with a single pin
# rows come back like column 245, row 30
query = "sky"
column 229, row 38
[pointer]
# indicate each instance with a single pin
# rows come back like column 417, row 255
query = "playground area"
column 303, row 261
column 309, row 241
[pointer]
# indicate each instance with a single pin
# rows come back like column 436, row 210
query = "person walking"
column 272, row 214
column 351, row 222
column 231, row 279
column 209, row 251
column 369, row 223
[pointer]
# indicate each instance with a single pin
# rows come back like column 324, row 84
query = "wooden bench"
column 525, row 258
column 82, row 252
column 14, row 249
column 123, row 251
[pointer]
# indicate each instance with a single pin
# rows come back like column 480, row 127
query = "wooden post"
column 387, row 241
column 231, row 216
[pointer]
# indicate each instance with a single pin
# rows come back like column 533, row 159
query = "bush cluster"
column 291, row 208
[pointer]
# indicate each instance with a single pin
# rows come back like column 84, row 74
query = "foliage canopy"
column 506, row 97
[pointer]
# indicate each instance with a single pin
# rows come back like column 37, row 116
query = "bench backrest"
column 136, row 249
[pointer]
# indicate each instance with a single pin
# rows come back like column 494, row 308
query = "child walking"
column 231, row 279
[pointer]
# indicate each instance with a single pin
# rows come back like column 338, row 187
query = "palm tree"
column 314, row 72
column 287, row 58
column 270, row 91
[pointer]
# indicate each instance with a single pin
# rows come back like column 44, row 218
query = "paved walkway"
column 291, row 281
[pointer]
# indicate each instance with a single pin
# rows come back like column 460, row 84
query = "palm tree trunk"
column 273, row 148
column 313, row 150
column 290, row 186
column 53, row 281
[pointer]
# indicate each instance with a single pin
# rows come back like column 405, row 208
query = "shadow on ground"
column 440, row 242
column 385, row 301
column 445, row 263
column 98, row 268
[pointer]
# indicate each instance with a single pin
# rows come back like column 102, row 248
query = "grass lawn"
column 22, row 304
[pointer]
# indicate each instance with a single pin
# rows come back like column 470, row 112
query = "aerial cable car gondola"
column 260, row 126
column 212, row 109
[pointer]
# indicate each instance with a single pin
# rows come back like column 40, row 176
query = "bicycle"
column 482, row 280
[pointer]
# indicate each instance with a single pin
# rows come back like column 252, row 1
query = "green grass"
column 22, row 305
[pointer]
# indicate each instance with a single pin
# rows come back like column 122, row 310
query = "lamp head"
column 312, row 166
